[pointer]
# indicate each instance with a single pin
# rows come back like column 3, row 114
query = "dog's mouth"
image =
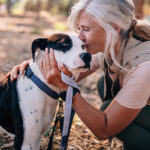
column 84, row 67
column 87, row 66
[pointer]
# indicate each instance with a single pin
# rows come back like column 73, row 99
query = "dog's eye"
column 83, row 46
column 64, row 44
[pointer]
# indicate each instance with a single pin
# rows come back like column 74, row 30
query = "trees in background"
column 59, row 6
column 8, row 6
column 49, row 5
column 54, row 6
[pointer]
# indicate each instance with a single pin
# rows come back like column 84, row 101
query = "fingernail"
column 21, row 72
column 62, row 65
column 46, row 51
column 51, row 50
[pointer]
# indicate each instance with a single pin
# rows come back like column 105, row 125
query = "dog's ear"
column 38, row 43
column 60, row 42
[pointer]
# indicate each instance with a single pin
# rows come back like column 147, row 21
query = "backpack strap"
column 138, row 54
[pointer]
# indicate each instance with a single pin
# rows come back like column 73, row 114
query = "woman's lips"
column 86, row 46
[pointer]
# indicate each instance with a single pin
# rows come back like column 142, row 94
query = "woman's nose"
column 82, row 36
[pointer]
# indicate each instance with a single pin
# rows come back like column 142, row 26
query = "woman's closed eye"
column 83, row 28
column 86, row 29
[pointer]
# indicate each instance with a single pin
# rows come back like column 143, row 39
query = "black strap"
column 64, row 141
column 55, row 96
column 41, row 84
column 52, row 134
column 63, row 94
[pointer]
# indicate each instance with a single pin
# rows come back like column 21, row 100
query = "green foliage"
column 2, row 1
column 17, row 9
column 30, row 5
column 62, row 6
column 37, row 31
column 53, row 6
column 60, row 26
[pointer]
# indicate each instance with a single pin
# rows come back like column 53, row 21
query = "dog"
column 25, row 110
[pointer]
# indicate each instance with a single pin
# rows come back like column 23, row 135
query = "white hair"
column 106, row 13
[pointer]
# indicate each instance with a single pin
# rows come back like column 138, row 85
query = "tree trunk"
column 139, row 8
column 8, row 6
column 38, row 8
column 69, row 6
column 49, row 5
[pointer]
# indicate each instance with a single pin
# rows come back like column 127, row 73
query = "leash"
column 69, row 112
column 59, row 118
column 41, row 84
column 66, row 120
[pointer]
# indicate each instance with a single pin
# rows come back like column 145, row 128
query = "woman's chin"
column 94, row 51
column 91, row 50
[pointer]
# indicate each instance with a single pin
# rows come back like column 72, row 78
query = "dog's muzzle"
column 86, row 57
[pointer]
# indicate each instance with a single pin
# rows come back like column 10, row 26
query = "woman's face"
column 91, row 33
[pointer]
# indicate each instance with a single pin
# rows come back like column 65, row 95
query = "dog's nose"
column 86, row 57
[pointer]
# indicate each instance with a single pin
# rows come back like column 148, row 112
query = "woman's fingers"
column 46, row 61
column 50, row 71
column 23, row 67
column 7, row 75
column 53, row 61
column 14, row 73
column 43, row 70
column 65, row 70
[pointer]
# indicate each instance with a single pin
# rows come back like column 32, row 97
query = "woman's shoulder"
column 136, row 88
column 141, row 72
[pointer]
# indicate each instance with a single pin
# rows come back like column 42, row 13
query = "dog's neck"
column 36, row 70
column 39, row 58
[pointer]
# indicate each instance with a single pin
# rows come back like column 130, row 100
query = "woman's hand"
column 50, row 71
column 13, row 74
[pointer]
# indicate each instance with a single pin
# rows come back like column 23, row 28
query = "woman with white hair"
column 120, row 46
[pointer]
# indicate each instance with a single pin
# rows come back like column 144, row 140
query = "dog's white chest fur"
column 37, row 109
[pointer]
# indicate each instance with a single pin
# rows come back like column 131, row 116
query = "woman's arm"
column 104, row 124
column 84, row 75
column 13, row 74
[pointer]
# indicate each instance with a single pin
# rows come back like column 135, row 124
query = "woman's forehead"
column 85, row 19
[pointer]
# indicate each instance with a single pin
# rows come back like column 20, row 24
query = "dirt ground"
column 16, row 36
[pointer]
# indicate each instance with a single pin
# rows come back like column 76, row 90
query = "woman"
column 120, row 46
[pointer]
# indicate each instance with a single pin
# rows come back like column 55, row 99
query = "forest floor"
column 16, row 36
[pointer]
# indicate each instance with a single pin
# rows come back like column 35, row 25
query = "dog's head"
column 69, row 50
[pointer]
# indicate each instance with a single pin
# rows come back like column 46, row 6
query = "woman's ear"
column 116, row 27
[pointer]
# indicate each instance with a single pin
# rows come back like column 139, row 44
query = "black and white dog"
column 25, row 110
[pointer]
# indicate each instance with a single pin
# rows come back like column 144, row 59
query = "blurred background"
column 21, row 21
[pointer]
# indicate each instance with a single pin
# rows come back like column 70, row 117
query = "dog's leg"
column 32, row 133
column 33, row 145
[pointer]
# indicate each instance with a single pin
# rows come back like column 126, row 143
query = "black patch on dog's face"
column 60, row 42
